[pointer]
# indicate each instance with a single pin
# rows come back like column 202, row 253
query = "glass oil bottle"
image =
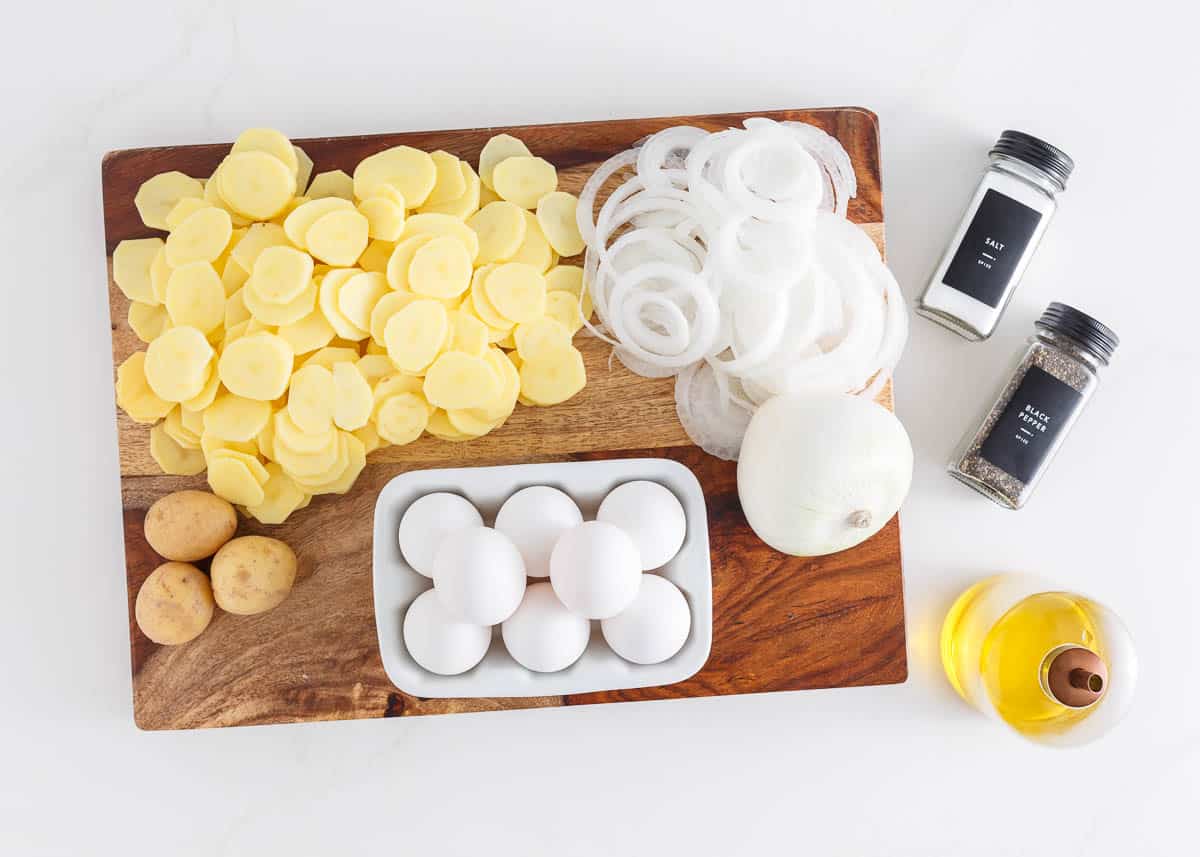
column 1056, row 667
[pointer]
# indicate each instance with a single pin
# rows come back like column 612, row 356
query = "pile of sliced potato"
column 293, row 326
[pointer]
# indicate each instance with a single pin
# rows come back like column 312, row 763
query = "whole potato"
column 174, row 604
column 189, row 525
column 252, row 574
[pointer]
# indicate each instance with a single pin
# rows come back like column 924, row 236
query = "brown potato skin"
column 252, row 574
column 174, row 604
column 189, row 525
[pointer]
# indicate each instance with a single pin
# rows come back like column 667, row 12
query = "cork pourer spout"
column 1077, row 677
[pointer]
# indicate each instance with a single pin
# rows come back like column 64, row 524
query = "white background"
column 903, row 770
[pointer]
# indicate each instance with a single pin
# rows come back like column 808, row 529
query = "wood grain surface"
column 779, row 622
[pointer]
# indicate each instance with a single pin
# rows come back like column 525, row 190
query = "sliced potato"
column 337, row 238
column 409, row 170
column 500, row 228
column 184, row 209
column 309, row 333
column 439, row 426
column 134, row 393
column 395, row 384
column 442, row 224
column 172, row 458
column 330, row 355
column 310, row 400
column 450, row 183
column 159, row 194
column 466, row 203
column 352, row 458
column 231, row 477
column 256, row 366
column 517, row 291
column 304, row 168
column 353, row 399
column 280, row 274
column 291, row 436
column 554, row 377
column 331, row 183
column 233, row 417
column 301, row 218
column 486, row 197
column 441, row 268
column 270, row 141
column 483, row 307
column 281, row 497
column 331, row 284
column 535, row 250
column 212, row 196
column 386, row 307
column 401, row 418
column 131, row 263
column 500, row 408
column 369, row 437
column 401, row 258
column 160, row 272
column 256, row 239
column 191, row 423
column 524, row 180
column 147, row 321
column 556, row 216
column 195, row 297
column 375, row 367
column 301, row 464
column 210, row 443
column 205, row 397
column 177, row 364
column 375, row 257
column 255, row 184
column 499, row 148
column 415, row 334
column 271, row 314
column 569, row 278
column 385, row 217
column 235, row 310
column 469, row 422
column 457, row 380
column 468, row 334
column 356, row 297
column 534, row 338
column 563, row 307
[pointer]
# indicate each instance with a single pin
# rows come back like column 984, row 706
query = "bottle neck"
column 1028, row 173
column 1071, row 347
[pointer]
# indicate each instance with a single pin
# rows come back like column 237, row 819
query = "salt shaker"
column 1006, row 456
column 1003, row 224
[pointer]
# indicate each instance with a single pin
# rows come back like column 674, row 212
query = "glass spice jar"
column 1007, row 455
column 1007, row 216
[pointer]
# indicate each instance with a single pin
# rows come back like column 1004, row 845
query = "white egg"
column 654, row 627
column 651, row 515
column 534, row 518
column 479, row 575
column 427, row 521
column 441, row 642
column 595, row 570
column 543, row 635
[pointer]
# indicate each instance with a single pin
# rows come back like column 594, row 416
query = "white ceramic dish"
column 498, row 675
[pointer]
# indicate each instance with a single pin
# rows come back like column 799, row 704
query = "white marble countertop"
column 903, row 770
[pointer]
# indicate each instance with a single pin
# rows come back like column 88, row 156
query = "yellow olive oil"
column 1038, row 660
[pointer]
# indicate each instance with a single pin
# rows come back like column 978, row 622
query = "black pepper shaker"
column 1023, row 429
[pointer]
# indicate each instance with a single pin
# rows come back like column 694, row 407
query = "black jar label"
column 991, row 248
column 1027, row 429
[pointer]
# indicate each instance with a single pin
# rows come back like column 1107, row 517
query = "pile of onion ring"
column 726, row 260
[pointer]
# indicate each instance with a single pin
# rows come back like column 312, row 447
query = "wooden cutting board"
column 779, row 623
